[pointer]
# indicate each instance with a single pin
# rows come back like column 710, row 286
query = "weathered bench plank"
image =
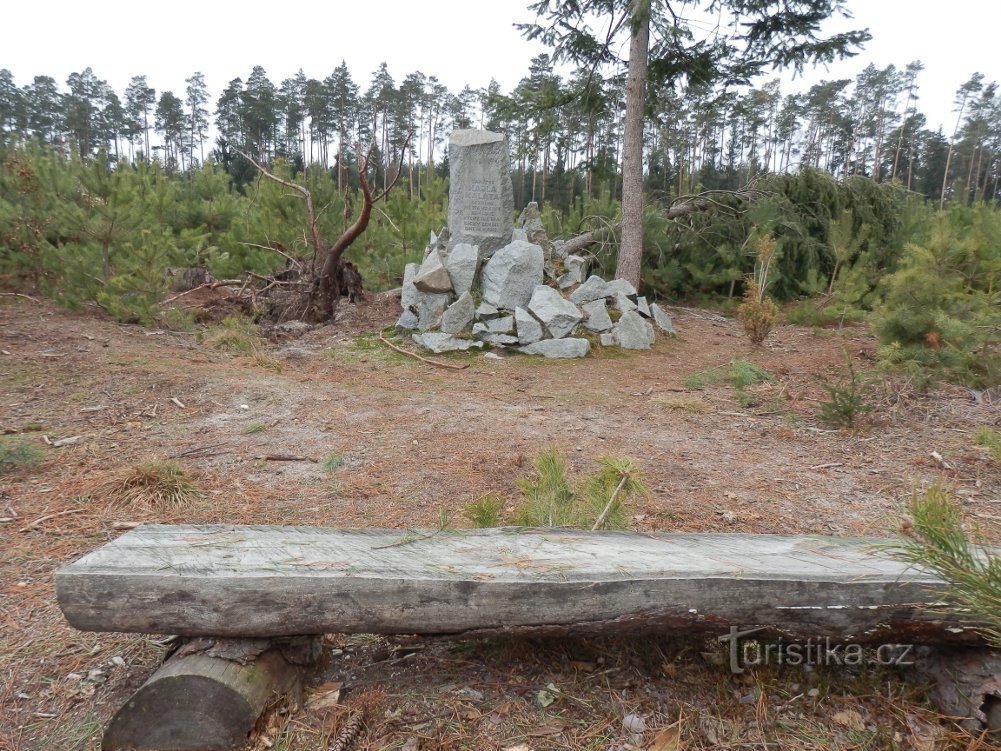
column 240, row 581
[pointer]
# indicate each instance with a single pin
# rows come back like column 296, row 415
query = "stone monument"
column 480, row 194
column 488, row 284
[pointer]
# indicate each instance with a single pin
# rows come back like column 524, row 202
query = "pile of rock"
column 485, row 283
column 454, row 301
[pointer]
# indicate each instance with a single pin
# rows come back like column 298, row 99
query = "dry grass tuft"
column 692, row 406
column 151, row 485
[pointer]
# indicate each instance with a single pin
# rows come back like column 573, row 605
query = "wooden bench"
column 257, row 583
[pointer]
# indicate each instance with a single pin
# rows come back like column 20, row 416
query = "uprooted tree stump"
column 310, row 289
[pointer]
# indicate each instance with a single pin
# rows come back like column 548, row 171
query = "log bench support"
column 209, row 694
column 252, row 584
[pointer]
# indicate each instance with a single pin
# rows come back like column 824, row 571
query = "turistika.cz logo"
column 748, row 653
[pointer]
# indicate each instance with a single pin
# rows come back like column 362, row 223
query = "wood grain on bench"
column 244, row 581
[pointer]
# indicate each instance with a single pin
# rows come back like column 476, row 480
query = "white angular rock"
column 535, row 232
column 558, row 315
column 663, row 320
column 633, row 331
column 502, row 325
column 432, row 276
column 427, row 307
column 408, row 321
column 529, row 329
column 609, row 339
column 622, row 303
column 482, row 333
column 409, row 293
column 458, row 315
column 439, row 342
column 461, row 267
column 620, row 286
column 642, row 307
column 596, row 316
column 485, row 311
column 518, row 233
column 511, row 274
column 576, row 269
column 595, row 288
column 558, row 348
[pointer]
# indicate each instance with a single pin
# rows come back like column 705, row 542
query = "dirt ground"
column 414, row 443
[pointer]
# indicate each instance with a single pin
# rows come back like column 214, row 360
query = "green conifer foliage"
column 942, row 309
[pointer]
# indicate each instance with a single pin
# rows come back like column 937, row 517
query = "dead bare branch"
column 207, row 285
column 279, row 251
column 414, row 355
column 310, row 208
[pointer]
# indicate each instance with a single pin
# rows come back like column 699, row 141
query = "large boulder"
column 576, row 268
column 622, row 303
column 596, row 316
column 559, row 316
column 485, row 311
column 558, row 348
column 595, row 288
column 458, row 315
column 502, row 325
column 530, row 222
column 461, row 266
column 620, row 286
column 643, row 308
column 633, row 331
column 663, row 320
column 483, row 333
column 432, row 277
column 511, row 275
column 439, row 342
column 529, row 329
column 428, row 308
column 408, row 321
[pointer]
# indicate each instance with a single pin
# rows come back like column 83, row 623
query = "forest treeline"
column 844, row 182
column 565, row 131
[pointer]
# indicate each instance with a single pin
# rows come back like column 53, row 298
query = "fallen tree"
column 679, row 208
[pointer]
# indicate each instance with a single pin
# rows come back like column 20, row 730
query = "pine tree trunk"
column 945, row 178
column 631, row 244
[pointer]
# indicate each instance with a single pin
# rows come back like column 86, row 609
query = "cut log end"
column 197, row 701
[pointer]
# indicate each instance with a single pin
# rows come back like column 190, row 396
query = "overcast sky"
column 460, row 41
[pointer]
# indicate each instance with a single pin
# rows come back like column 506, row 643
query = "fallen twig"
column 177, row 401
column 18, row 294
column 200, row 451
column 45, row 518
column 207, row 285
column 125, row 525
column 940, row 460
column 62, row 441
column 286, row 458
column 407, row 539
column 450, row 366
column 829, row 466
column 608, row 506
